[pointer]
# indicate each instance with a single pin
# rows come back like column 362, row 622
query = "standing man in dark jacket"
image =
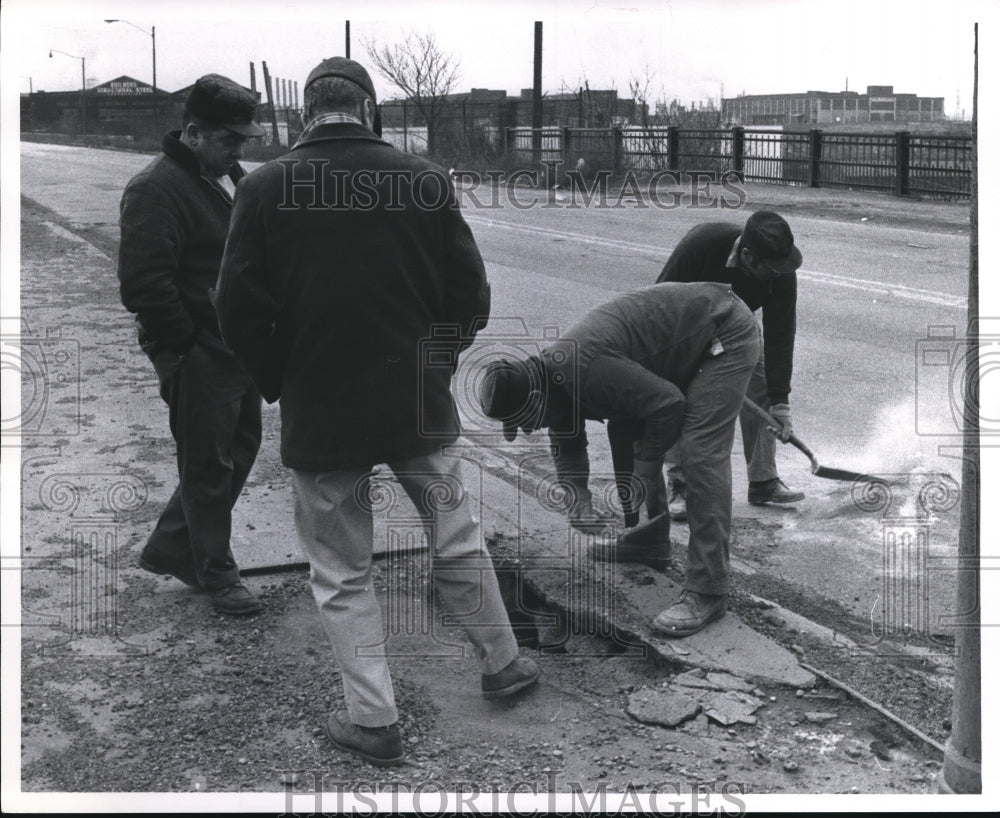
column 174, row 220
column 759, row 262
column 350, row 281
column 671, row 362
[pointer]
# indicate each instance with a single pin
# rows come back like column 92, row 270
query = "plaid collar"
column 334, row 117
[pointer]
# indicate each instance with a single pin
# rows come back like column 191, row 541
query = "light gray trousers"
column 333, row 516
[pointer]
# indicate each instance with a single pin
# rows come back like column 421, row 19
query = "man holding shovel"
column 665, row 363
column 759, row 262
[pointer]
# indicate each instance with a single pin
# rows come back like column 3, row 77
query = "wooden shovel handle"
column 770, row 421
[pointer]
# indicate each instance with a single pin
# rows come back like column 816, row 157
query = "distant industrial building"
column 498, row 109
column 880, row 103
column 122, row 106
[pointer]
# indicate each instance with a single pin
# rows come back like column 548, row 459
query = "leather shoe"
column 691, row 613
column 772, row 491
column 381, row 746
column 677, row 502
column 519, row 674
column 235, row 600
column 168, row 566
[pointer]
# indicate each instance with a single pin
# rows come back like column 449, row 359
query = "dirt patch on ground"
column 208, row 703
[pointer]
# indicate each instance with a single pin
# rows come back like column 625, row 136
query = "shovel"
column 817, row 469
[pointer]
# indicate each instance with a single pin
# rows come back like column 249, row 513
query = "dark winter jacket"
column 350, row 284
column 701, row 256
column 173, row 223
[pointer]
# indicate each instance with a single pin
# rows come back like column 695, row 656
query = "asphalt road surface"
column 876, row 293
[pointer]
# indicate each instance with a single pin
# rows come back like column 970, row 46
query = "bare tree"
column 638, row 87
column 422, row 71
column 597, row 109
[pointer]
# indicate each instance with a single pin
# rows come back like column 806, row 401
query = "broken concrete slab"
column 712, row 681
column 619, row 600
column 726, row 681
column 730, row 707
column 692, row 678
column 732, row 646
column 667, row 708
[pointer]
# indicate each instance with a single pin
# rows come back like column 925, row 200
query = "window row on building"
column 878, row 104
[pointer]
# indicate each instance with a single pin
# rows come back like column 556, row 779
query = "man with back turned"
column 344, row 258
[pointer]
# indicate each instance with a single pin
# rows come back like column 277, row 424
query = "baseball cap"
column 769, row 237
column 217, row 100
column 509, row 392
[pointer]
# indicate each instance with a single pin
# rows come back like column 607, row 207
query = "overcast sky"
column 690, row 49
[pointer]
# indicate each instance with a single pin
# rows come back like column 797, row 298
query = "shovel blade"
column 843, row 474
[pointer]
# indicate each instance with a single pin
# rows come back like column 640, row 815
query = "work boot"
column 772, row 491
column 235, row 600
column 519, row 674
column 677, row 501
column 648, row 544
column 157, row 563
column 381, row 746
column 691, row 613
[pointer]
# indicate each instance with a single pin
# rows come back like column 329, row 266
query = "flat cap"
column 769, row 236
column 510, row 392
column 219, row 101
column 346, row 69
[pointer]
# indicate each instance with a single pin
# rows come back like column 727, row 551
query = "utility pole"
column 536, row 96
column 152, row 34
column 156, row 105
column 31, row 103
column 347, row 39
column 962, row 772
column 83, row 94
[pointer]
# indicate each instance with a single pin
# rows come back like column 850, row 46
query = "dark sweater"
column 701, row 256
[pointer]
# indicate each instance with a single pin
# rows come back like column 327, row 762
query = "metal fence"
column 867, row 162
column 776, row 157
column 940, row 164
column 901, row 163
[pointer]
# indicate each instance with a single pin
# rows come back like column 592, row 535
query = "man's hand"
column 584, row 517
column 782, row 413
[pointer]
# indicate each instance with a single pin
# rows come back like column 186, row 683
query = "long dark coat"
column 349, row 285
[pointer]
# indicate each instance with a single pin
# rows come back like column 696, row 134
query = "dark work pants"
column 215, row 420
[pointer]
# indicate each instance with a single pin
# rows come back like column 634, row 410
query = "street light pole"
column 152, row 34
column 83, row 85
